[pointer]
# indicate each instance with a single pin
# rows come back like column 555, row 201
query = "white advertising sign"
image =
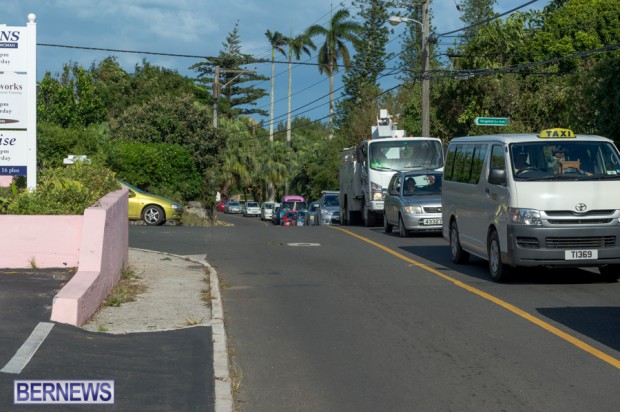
column 13, row 101
column 18, row 101
column 13, row 44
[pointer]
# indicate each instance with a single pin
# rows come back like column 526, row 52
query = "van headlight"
column 527, row 217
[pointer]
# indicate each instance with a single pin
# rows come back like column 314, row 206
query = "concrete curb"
column 221, row 370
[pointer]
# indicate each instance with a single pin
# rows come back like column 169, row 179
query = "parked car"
column 233, row 207
column 153, row 210
column 413, row 202
column 328, row 211
column 251, row 209
column 221, row 205
column 289, row 218
column 266, row 210
column 311, row 213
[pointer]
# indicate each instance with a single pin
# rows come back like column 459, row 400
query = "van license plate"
column 432, row 221
column 586, row 254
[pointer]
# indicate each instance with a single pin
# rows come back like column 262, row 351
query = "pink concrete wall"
column 40, row 241
column 5, row 181
column 104, row 254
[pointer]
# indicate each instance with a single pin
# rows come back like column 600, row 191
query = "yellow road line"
column 519, row 312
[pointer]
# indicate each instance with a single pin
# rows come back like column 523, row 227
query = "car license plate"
column 585, row 254
column 432, row 222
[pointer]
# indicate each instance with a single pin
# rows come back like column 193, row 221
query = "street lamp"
column 395, row 20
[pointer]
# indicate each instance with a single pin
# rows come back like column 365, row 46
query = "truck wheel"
column 457, row 252
column 386, row 226
column 346, row 215
column 499, row 271
column 370, row 219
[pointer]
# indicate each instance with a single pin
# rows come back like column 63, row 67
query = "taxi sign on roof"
column 561, row 133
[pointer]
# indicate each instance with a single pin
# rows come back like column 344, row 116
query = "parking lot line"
column 28, row 349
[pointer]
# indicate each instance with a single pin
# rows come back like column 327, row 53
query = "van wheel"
column 386, row 226
column 499, row 271
column 457, row 252
column 401, row 227
column 611, row 273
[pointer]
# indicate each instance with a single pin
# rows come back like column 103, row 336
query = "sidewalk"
column 151, row 347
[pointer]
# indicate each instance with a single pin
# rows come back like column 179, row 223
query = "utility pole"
column 426, row 115
column 425, row 61
column 217, row 87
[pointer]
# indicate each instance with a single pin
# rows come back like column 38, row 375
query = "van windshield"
column 406, row 154
column 566, row 160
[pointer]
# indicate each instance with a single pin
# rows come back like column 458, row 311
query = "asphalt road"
column 321, row 319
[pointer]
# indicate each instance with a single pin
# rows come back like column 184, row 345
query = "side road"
column 158, row 349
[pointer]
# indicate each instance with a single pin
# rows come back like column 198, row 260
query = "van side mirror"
column 497, row 177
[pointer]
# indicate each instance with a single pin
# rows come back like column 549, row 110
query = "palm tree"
column 340, row 30
column 296, row 46
column 277, row 41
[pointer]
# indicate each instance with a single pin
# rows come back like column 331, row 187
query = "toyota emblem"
column 581, row 207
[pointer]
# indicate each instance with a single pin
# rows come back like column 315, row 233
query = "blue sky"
column 197, row 28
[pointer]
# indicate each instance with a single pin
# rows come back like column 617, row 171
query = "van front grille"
column 593, row 242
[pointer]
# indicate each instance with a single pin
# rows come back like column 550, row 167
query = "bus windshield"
column 293, row 202
column 406, row 154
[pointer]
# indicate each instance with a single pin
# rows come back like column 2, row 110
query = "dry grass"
column 128, row 287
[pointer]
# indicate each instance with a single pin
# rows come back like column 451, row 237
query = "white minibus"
column 523, row 200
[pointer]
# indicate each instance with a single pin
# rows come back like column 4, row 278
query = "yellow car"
column 151, row 209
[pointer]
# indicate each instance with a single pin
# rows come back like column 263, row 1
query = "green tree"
column 361, row 81
column 71, row 99
column 165, row 119
column 162, row 168
column 120, row 89
column 473, row 14
column 240, row 95
column 340, row 31
column 575, row 26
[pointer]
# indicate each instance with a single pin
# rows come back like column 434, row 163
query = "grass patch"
column 205, row 295
column 128, row 287
column 189, row 321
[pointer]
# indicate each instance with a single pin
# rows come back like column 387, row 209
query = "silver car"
column 328, row 212
column 233, row 207
column 413, row 202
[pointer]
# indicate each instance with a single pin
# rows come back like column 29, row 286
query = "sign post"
column 18, row 104
column 492, row 121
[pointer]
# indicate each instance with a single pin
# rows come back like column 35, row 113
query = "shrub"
column 166, row 169
column 65, row 191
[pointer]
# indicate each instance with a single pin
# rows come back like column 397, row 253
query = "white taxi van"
column 523, row 200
